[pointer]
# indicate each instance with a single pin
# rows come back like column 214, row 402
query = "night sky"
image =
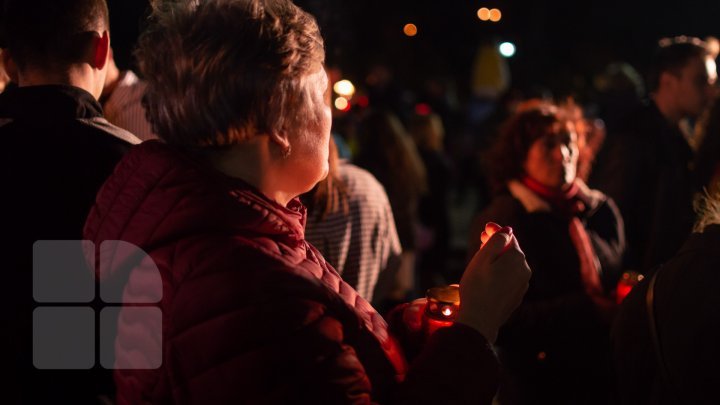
column 561, row 44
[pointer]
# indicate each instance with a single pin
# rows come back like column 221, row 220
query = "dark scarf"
column 569, row 203
column 566, row 202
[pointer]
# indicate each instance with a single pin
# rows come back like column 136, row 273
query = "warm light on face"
column 483, row 14
column 495, row 15
column 342, row 104
column 410, row 30
column 344, row 88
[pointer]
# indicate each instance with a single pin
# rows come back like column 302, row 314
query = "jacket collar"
column 532, row 202
column 273, row 218
column 49, row 102
column 176, row 193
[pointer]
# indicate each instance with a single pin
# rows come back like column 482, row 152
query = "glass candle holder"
column 442, row 307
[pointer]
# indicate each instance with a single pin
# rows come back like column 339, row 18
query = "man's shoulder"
column 642, row 124
column 117, row 134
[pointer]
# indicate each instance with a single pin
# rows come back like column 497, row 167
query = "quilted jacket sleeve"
column 306, row 356
column 294, row 351
column 270, row 336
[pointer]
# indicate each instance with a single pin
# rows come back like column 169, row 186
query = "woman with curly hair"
column 555, row 346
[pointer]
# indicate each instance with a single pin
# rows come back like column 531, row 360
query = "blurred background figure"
column 707, row 160
column 350, row 222
column 646, row 163
column 555, row 346
column 671, row 356
column 122, row 101
column 620, row 91
column 706, row 138
column 387, row 151
column 427, row 132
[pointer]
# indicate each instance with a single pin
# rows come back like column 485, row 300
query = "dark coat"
column 645, row 168
column 252, row 313
column 57, row 152
column 686, row 308
column 555, row 345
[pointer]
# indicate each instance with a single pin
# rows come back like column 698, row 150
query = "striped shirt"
column 364, row 243
column 124, row 106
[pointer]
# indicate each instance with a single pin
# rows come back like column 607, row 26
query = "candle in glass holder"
column 442, row 307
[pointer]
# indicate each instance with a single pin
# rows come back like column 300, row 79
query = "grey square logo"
column 64, row 338
column 143, row 350
column 61, row 272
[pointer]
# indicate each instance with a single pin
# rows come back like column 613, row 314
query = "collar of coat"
column 532, row 202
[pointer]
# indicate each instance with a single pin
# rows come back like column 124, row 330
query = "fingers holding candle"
column 494, row 282
column 490, row 229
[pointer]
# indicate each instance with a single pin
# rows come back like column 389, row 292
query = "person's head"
column 227, row 74
column 384, row 143
column 681, row 77
column 427, row 131
column 539, row 142
column 51, row 41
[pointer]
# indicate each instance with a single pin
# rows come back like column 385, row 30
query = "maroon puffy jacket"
column 251, row 313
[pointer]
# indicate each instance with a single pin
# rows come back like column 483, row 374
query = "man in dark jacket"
column 645, row 167
column 58, row 150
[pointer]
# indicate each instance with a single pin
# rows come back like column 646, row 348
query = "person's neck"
column 251, row 162
column 112, row 79
column 75, row 77
column 666, row 105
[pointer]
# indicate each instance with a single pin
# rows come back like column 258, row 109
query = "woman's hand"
column 494, row 282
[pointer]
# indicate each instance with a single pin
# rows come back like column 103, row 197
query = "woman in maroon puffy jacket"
column 244, row 310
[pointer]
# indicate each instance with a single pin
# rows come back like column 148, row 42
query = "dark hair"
column 219, row 71
column 672, row 55
column 507, row 157
column 51, row 33
column 388, row 152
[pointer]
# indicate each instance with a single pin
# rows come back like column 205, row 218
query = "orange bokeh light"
column 410, row 30
column 495, row 15
column 484, row 14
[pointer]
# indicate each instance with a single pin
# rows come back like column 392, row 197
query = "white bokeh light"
column 507, row 49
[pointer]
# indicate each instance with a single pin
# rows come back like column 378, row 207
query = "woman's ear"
column 281, row 140
column 101, row 48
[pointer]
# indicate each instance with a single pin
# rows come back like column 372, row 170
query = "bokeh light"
column 507, row 49
column 410, row 30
